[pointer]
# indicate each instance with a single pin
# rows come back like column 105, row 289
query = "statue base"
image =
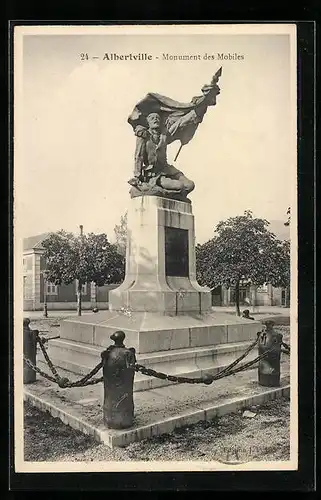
column 160, row 260
column 185, row 345
column 157, row 191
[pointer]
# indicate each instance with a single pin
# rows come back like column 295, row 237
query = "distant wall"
column 66, row 298
column 102, row 293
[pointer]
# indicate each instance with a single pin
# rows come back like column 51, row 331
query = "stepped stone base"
column 153, row 332
column 182, row 345
column 80, row 358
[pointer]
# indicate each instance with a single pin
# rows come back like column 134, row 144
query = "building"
column 265, row 295
column 59, row 297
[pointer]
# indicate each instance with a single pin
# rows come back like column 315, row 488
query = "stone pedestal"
column 160, row 260
column 165, row 314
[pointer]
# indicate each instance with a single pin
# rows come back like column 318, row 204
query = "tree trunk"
column 79, row 298
column 237, row 297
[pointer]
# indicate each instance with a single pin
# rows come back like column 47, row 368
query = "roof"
column 34, row 241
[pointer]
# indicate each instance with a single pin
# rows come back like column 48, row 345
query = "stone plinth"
column 160, row 260
column 187, row 345
column 153, row 332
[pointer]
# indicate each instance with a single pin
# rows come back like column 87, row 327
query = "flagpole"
column 178, row 152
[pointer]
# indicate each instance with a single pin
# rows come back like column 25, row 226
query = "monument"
column 160, row 259
column 166, row 315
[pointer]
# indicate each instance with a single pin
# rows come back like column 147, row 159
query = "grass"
column 229, row 438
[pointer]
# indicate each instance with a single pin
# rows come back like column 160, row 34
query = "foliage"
column 288, row 213
column 121, row 235
column 86, row 258
column 243, row 249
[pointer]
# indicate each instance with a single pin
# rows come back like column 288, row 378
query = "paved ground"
column 151, row 406
column 256, row 310
column 259, row 310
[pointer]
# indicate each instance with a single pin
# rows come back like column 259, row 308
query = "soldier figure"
column 158, row 121
column 151, row 160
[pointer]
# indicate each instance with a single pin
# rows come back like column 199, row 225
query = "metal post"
column 118, row 371
column 79, row 282
column 45, row 307
column 29, row 351
column 269, row 369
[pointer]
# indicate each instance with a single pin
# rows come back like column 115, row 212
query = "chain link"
column 49, row 362
column 44, row 339
column 248, row 350
column 64, row 382
column 207, row 379
column 36, row 369
column 85, row 380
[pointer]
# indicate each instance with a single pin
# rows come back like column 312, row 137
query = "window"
column 51, row 289
column 27, row 288
column 27, row 264
column 83, row 288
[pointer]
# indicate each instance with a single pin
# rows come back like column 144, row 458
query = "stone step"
column 151, row 332
column 80, row 358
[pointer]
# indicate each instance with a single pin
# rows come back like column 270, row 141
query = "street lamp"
column 45, row 308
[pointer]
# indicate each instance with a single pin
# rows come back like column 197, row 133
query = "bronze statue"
column 158, row 121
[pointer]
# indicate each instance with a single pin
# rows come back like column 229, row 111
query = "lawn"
column 229, row 439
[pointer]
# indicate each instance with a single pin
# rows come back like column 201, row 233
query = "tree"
column 86, row 258
column 288, row 213
column 121, row 235
column 243, row 249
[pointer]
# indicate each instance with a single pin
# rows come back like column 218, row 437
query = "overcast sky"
column 78, row 148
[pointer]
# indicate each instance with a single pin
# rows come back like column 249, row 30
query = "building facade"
column 37, row 291
column 265, row 295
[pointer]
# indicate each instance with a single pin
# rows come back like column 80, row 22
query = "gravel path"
column 229, row 439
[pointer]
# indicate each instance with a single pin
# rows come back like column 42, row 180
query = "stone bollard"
column 269, row 367
column 118, row 371
column 29, row 351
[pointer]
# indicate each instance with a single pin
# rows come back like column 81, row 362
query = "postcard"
column 155, row 248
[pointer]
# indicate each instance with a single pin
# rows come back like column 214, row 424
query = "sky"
column 77, row 149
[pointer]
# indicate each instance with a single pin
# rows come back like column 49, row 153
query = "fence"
column 119, row 366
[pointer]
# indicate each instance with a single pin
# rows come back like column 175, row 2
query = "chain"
column 249, row 349
column 206, row 379
column 44, row 339
column 64, row 382
column 49, row 362
column 85, row 380
column 247, row 365
column 36, row 369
